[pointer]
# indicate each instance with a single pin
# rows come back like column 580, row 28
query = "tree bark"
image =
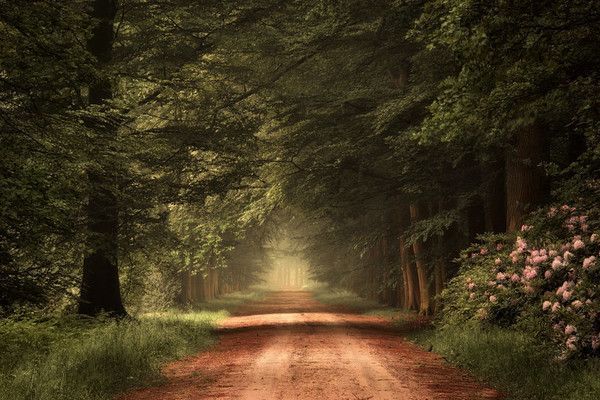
column 100, row 288
column 410, row 287
column 524, row 177
column 494, row 196
column 419, row 251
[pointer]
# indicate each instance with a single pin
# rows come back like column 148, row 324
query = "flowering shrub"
column 544, row 279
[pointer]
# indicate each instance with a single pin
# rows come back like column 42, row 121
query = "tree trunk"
column 494, row 196
column 419, row 251
column 411, row 293
column 100, row 289
column 524, row 177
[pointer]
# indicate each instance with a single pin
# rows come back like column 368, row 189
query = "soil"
column 290, row 346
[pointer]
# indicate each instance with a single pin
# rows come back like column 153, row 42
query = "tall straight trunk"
column 494, row 195
column 100, row 289
column 416, row 214
column 524, row 177
column 409, row 281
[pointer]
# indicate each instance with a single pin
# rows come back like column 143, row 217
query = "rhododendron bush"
column 544, row 279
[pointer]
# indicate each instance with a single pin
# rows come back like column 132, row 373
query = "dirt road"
column 292, row 347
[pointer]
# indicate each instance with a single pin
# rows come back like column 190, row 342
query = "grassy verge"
column 68, row 358
column 349, row 300
column 514, row 363
column 511, row 361
column 407, row 320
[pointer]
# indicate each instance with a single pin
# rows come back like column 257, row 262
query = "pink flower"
column 552, row 212
column 571, row 343
column 500, row 276
column 577, row 304
column 555, row 307
column 471, row 296
column 594, row 238
column 499, row 246
column 570, row 329
column 501, row 287
column 514, row 256
column 529, row 272
column 497, row 261
column 471, row 286
column 548, row 274
column 539, row 259
column 521, row 244
column 578, row 244
column 483, row 251
column 493, row 299
column 557, row 262
column 515, row 278
column 589, row 262
column 546, row 305
column 566, row 295
column 552, row 253
column 525, row 228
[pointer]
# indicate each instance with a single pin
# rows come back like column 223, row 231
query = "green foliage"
column 81, row 359
column 543, row 283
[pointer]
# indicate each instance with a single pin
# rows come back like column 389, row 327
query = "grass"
column 514, row 363
column 347, row 300
column 511, row 361
column 91, row 359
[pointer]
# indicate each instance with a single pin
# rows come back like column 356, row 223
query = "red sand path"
column 291, row 347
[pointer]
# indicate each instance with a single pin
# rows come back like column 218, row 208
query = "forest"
column 171, row 170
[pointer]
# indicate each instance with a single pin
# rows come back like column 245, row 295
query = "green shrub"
column 544, row 280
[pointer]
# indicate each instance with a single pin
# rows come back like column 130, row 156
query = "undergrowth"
column 514, row 363
column 71, row 358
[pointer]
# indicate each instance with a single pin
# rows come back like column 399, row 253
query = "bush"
column 544, row 280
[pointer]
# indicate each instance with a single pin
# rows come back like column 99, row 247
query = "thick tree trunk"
column 409, row 282
column 494, row 196
column 411, row 289
column 524, row 177
column 100, row 289
column 419, row 251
